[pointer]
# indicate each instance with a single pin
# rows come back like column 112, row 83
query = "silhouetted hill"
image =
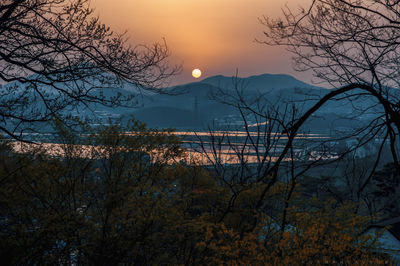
column 205, row 99
column 261, row 83
column 200, row 103
column 165, row 117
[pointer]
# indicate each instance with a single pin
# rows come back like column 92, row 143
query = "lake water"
column 204, row 148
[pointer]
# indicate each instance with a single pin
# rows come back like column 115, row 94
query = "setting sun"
column 196, row 73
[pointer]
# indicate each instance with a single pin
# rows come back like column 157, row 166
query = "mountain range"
column 212, row 101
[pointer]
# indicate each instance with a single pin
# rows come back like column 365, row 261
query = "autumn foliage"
column 134, row 203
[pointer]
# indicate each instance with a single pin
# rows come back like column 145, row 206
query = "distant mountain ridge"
column 194, row 105
column 198, row 98
column 259, row 82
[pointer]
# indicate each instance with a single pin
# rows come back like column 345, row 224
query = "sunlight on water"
column 197, row 152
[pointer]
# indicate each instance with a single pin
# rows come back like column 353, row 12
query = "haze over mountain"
column 199, row 104
column 258, row 83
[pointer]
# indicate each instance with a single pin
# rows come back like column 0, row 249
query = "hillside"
column 199, row 104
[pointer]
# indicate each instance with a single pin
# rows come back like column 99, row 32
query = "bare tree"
column 262, row 157
column 55, row 54
column 353, row 46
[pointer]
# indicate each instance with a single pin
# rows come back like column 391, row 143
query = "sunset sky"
column 216, row 36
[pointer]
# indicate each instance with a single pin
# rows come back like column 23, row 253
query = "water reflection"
column 200, row 148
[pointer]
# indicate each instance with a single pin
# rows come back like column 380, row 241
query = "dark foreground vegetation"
column 129, row 201
column 109, row 198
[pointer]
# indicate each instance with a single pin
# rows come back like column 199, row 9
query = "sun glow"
column 196, row 73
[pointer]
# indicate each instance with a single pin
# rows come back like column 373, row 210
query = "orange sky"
column 216, row 36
